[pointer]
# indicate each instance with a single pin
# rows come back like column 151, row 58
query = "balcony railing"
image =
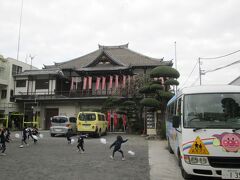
column 72, row 94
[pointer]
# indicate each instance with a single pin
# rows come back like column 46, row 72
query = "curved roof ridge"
column 77, row 58
column 150, row 58
column 57, row 65
column 110, row 47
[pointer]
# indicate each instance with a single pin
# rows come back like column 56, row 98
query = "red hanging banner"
column 89, row 82
column 103, row 82
column 109, row 119
column 115, row 120
column 124, row 81
column 110, row 82
column 124, row 120
column 129, row 80
column 98, row 83
column 84, row 83
column 116, row 81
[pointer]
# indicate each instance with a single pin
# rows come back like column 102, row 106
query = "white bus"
column 203, row 131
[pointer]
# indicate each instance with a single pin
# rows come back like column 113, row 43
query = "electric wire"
column 221, row 56
column 236, row 62
column 190, row 74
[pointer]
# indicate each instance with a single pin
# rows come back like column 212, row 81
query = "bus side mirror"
column 176, row 121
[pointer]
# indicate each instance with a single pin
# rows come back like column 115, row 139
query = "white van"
column 203, row 131
column 60, row 125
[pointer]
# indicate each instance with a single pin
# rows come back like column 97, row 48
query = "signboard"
column 151, row 123
column 198, row 147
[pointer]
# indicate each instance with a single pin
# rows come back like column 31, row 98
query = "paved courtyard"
column 53, row 159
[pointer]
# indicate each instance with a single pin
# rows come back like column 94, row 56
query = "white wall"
column 10, row 81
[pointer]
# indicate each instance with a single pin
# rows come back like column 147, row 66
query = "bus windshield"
column 220, row 111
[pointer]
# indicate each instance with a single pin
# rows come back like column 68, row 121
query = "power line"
column 222, row 56
column 235, row 62
column 190, row 74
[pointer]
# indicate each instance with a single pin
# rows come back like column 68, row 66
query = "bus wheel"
column 52, row 135
column 185, row 175
column 169, row 147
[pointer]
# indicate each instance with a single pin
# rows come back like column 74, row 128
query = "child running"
column 35, row 133
column 24, row 136
column 81, row 143
column 8, row 135
column 117, row 146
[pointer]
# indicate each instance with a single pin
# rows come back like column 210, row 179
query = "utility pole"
column 200, row 73
column 175, row 45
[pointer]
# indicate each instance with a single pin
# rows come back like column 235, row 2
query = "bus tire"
column 185, row 175
column 169, row 147
column 52, row 135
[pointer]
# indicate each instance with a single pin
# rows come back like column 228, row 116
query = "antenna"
column 31, row 57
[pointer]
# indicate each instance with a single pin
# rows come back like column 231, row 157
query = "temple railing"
column 72, row 94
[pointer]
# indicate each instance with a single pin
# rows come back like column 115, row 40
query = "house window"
column 21, row 83
column 42, row 84
column 16, row 69
column 4, row 94
column 11, row 96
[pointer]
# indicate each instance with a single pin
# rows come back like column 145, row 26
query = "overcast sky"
column 60, row 30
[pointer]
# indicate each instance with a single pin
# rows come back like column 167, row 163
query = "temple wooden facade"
column 82, row 83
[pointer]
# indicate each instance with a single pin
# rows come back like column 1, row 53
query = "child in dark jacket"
column 8, row 135
column 81, row 143
column 35, row 133
column 117, row 146
column 24, row 136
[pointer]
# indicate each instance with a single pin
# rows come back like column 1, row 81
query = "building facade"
column 9, row 67
column 81, row 84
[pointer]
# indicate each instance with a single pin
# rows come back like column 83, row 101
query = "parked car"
column 61, row 124
column 92, row 123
